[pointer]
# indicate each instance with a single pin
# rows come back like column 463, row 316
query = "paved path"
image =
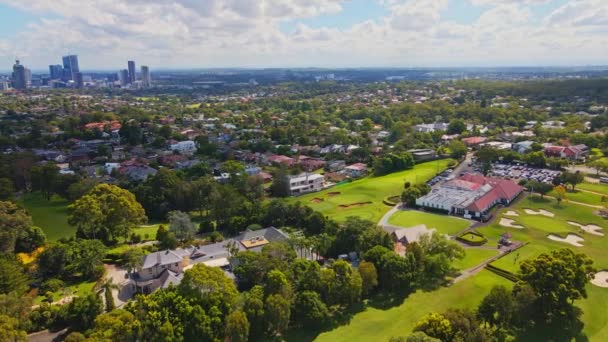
column 591, row 192
column 579, row 203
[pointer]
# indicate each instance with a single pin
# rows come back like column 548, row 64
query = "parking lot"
column 523, row 172
column 445, row 175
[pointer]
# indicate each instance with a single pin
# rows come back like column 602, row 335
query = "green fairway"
column 51, row 216
column 474, row 257
column 375, row 324
column 443, row 223
column 353, row 199
column 583, row 197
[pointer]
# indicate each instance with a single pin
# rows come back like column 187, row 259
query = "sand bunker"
column 511, row 213
column 509, row 223
column 335, row 193
column 590, row 228
column 572, row 239
column 540, row 212
column 316, row 200
column 600, row 279
column 352, row 205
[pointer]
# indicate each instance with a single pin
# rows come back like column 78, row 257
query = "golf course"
column 363, row 197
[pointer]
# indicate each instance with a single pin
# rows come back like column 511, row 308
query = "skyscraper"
column 56, row 71
column 78, row 81
column 70, row 66
column 131, row 71
column 19, row 76
column 145, row 76
column 123, row 76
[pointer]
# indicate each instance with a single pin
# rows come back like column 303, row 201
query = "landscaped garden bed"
column 472, row 239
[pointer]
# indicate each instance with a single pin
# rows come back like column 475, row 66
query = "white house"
column 306, row 182
column 184, row 147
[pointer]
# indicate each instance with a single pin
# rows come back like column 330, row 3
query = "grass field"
column 51, row 216
column 76, row 290
column 369, row 189
column 474, row 257
column 583, row 197
column 443, row 223
column 601, row 188
column 377, row 324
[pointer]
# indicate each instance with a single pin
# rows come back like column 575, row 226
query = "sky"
column 304, row 33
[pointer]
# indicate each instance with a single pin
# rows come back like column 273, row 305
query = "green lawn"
column 75, row 289
column 601, row 188
column 472, row 237
column 474, row 257
column 377, row 324
column 443, row 223
column 583, row 197
column 369, row 189
column 51, row 216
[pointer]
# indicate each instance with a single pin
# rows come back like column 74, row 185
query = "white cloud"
column 216, row 33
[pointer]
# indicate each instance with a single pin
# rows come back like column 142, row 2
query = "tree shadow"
column 566, row 327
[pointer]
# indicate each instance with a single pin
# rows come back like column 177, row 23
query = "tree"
column 276, row 282
column 80, row 258
column 278, row 312
column 310, row 311
column 181, row 225
column 133, row 259
column 359, row 235
column 237, row 327
column 540, row 187
column 106, row 212
column 165, row 238
column 369, row 277
column 44, row 178
column 419, row 336
column 7, row 189
column 9, row 330
column 107, row 286
column 536, row 159
column 209, row 287
column 560, row 193
column 557, row 278
column 456, row 127
column 497, row 307
column 117, row 325
column 435, row 325
column 409, row 196
column 573, row 178
column 280, row 183
column 253, row 306
column 30, row 238
column 397, row 273
column 12, row 277
column 465, row 326
column 13, row 222
column 82, row 311
column 457, row 149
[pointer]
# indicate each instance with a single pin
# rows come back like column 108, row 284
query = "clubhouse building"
column 470, row 195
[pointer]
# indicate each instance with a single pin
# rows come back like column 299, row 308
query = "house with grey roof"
column 164, row 268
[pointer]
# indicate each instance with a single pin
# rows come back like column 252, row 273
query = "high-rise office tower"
column 78, row 80
column 123, row 76
column 131, row 71
column 145, row 76
column 70, row 66
column 56, row 71
column 19, row 78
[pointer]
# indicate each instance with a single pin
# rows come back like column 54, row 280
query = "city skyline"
column 317, row 33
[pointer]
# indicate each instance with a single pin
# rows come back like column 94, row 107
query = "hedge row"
column 503, row 273
column 391, row 200
column 470, row 242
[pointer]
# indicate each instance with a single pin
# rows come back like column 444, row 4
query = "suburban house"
column 522, row 146
column 164, row 268
column 575, row 152
column 355, row 170
column 429, row 128
column 281, row 160
column 423, row 154
column 305, row 182
column 184, row 147
column 471, row 195
column 474, row 141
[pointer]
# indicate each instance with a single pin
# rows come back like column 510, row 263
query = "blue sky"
column 280, row 33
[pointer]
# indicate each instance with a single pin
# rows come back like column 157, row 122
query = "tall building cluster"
column 128, row 77
column 67, row 74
